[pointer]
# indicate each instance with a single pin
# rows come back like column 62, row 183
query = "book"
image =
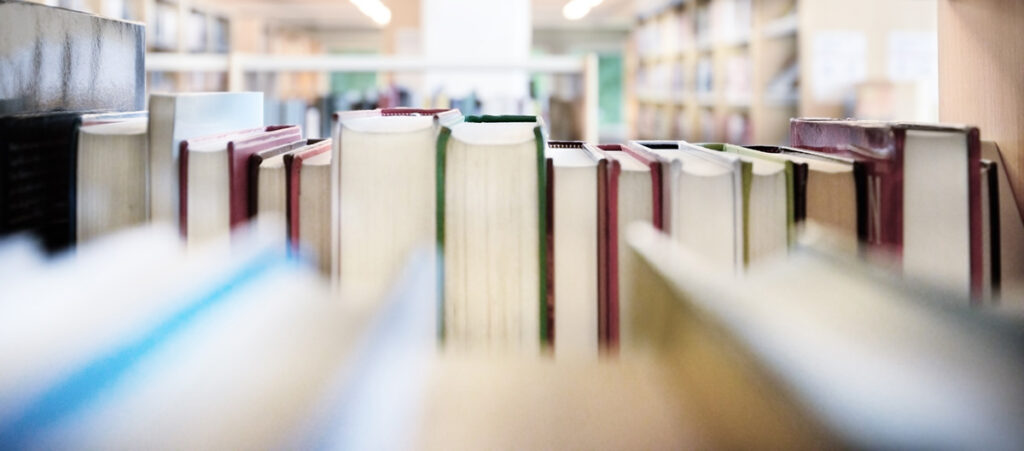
column 992, row 275
column 174, row 118
column 634, row 194
column 158, row 361
column 786, row 355
column 37, row 177
column 268, row 179
column 1011, row 233
column 309, row 202
column 829, row 190
column 768, row 202
column 384, row 187
column 579, row 229
column 56, row 59
column 923, row 192
column 704, row 200
column 111, row 174
column 491, row 223
column 214, row 183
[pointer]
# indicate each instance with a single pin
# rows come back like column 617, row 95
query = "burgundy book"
column 294, row 164
column 254, row 167
column 613, row 236
column 924, row 192
column 236, row 147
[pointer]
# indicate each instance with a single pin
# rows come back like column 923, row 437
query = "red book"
column 308, row 201
column 924, row 193
column 619, row 195
column 219, row 165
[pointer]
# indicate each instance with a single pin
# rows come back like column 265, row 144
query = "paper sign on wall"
column 839, row 62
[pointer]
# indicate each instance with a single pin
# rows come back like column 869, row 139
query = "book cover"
column 791, row 199
column 613, row 235
column 881, row 147
column 182, row 182
column 256, row 159
column 293, row 165
column 238, row 163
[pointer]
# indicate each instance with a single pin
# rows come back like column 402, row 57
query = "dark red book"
column 616, row 196
column 257, row 159
column 214, row 173
column 308, row 202
column 924, row 193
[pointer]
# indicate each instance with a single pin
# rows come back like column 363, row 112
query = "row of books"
column 526, row 228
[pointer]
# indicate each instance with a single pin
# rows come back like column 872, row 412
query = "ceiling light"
column 577, row 9
column 375, row 10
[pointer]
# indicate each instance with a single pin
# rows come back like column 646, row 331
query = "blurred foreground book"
column 819, row 351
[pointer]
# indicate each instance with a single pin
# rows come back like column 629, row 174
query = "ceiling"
column 341, row 15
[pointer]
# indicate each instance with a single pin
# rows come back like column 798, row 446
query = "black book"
column 37, row 176
column 55, row 59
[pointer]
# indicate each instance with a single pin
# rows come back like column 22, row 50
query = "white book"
column 383, row 180
column 577, row 170
column 631, row 188
column 492, row 190
column 702, row 200
column 112, row 165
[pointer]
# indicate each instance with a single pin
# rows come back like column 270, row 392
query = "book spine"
column 974, row 199
column 603, row 290
column 543, row 193
column 439, row 182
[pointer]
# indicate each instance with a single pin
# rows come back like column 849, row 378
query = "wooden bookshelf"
column 784, row 49
column 981, row 55
column 702, row 70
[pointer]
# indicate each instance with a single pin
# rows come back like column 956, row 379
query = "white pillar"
column 478, row 30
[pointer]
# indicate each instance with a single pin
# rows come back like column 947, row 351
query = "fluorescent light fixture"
column 374, row 9
column 576, row 9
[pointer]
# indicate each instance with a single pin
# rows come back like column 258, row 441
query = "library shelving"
column 737, row 70
column 714, row 70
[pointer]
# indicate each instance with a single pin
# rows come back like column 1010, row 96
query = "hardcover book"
column 924, row 193
column 383, row 179
column 633, row 194
column 38, row 176
column 491, row 223
column 214, row 196
column 309, row 202
column 579, row 247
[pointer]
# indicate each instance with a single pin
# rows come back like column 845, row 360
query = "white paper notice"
column 913, row 56
column 839, row 62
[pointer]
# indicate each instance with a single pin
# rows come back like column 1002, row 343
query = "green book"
column 492, row 233
column 761, row 158
column 705, row 200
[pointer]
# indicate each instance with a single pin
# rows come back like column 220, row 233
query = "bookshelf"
column 714, row 70
column 737, row 70
column 980, row 61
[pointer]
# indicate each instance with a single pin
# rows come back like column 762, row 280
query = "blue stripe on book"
column 103, row 373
